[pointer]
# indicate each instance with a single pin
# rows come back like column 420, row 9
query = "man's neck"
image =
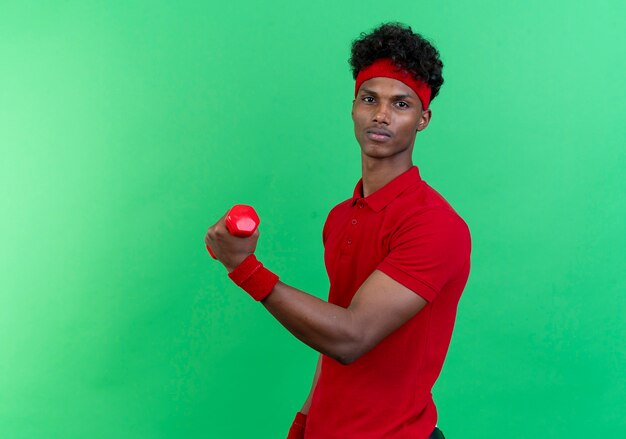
column 377, row 174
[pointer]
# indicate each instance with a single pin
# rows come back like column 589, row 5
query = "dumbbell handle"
column 241, row 220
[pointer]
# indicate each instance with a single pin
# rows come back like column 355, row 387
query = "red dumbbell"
column 241, row 221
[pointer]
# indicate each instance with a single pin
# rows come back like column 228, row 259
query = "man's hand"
column 229, row 250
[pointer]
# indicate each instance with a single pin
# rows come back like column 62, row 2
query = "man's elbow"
column 345, row 360
column 351, row 343
column 348, row 353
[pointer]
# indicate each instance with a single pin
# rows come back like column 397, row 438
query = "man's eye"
column 368, row 99
column 402, row 104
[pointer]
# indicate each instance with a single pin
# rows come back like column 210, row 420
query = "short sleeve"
column 331, row 220
column 427, row 250
column 325, row 230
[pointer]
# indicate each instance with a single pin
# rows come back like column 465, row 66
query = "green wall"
column 126, row 129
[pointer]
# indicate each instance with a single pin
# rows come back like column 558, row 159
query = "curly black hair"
column 407, row 49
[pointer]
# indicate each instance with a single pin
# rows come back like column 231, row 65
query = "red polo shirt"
column 408, row 231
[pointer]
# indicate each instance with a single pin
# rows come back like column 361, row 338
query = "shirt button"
column 361, row 205
column 354, row 221
column 349, row 241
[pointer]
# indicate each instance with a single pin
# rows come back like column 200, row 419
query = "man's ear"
column 424, row 120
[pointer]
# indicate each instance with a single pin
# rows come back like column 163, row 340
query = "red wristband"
column 254, row 278
column 297, row 428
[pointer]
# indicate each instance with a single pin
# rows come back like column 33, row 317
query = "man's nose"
column 381, row 115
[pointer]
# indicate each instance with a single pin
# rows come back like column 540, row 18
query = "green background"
column 127, row 128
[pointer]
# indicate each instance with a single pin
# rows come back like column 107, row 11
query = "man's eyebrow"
column 395, row 97
column 369, row 92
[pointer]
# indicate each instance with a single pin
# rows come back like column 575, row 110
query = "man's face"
column 387, row 114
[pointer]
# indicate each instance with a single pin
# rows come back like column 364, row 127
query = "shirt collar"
column 389, row 192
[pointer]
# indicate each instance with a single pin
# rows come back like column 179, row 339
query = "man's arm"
column 379, row 307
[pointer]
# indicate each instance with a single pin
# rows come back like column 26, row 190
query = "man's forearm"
column 327, row 328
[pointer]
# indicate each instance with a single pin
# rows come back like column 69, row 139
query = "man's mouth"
column 378, row 134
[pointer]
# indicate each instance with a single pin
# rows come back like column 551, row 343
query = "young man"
column 397, row 257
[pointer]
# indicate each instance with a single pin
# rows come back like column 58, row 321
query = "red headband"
column 386, row 68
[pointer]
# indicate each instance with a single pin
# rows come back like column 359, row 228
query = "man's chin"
column 375, row 153
column 379, row 151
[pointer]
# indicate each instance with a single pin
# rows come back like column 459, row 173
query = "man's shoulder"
column 344, row 206
column 333, row 216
